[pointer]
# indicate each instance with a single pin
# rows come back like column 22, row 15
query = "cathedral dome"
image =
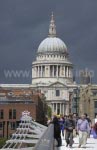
column 52, row 43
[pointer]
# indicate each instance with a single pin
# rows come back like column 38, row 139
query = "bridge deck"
column 91, row 144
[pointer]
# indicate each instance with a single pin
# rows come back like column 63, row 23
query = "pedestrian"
column 75, row 118
column 69, row 126
column 83, row 130
column 89, row 121
column 94, row 131
column 57, row 131
column 61, row 122
column 95, row 120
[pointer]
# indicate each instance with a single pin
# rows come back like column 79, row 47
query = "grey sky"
column 24, row 24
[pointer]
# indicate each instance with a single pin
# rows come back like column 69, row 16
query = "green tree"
column 49, row 111
column 2, row 142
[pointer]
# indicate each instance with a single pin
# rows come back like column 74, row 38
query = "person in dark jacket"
column 61, row 122
column 69, row 126
column 57, row 131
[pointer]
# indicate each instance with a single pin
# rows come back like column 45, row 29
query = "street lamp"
column 76, row 98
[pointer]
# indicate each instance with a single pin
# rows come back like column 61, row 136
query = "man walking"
column 69, row 126
column 83, row 130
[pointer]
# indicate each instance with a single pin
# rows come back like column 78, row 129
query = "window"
column 1, row 125
column 1, row 114
column 12, row 113
column 95, row 107
column 94, row 92
column 57, row 93
column 95, row 104
column 12, row 125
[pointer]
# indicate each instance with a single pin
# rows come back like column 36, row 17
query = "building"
column 52, row 75
column 52, row 71
column 13, row 102
column 85, row 77
column 88, row 100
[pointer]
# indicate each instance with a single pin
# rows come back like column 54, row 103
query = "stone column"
column 63, row 109
column 38, row 71
column 53, row 106
column 60, row 109
column 67, row 71
column 57, row 71
column 33, row 72
column 53, row 71
column 67, row 109
column 64, row 71
column 49, row 71
column 45, row 72
column 56, row 107
column 41, row 71
column 60, row 71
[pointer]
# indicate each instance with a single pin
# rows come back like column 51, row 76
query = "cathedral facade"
column 52, row 71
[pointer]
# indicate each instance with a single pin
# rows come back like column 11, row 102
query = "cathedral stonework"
column 52, row 71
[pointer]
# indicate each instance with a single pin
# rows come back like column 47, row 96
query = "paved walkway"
column 91, row 144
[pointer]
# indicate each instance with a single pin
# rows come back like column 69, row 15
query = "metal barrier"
column 46, row 142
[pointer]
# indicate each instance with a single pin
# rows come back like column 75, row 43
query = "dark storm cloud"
column 24, row 24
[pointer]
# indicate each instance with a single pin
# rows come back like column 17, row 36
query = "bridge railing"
column 46, row 142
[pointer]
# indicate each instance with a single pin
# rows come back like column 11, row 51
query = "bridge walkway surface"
column 91, row 144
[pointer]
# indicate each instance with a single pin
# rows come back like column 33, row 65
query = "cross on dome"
column 52, row 27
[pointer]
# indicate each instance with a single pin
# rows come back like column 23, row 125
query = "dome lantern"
column 52, row 44
column 52, row 27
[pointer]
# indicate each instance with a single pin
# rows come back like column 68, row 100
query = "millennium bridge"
column 31, row 135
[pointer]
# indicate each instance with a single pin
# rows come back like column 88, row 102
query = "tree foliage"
column 2, row 142
column 49, row 111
